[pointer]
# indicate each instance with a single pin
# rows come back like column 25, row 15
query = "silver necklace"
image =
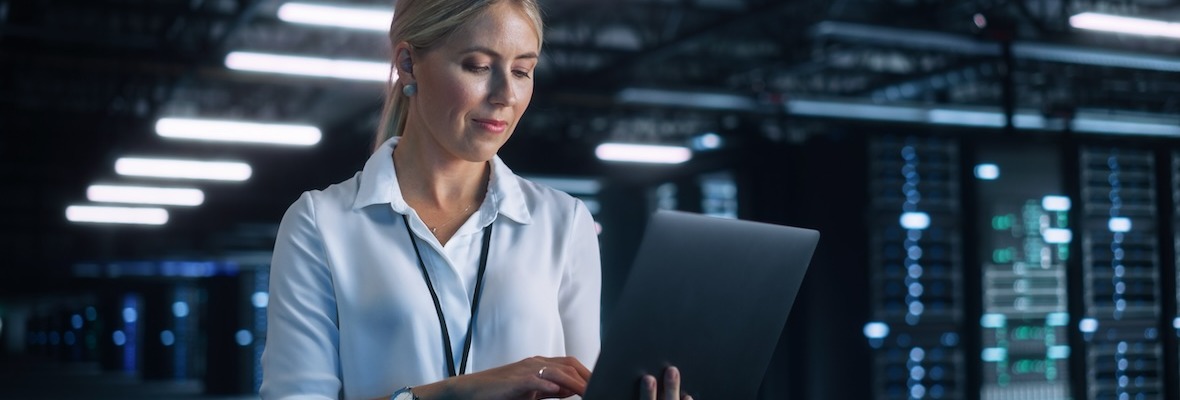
column 434, row 230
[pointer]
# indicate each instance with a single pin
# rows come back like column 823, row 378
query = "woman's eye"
column 521, row 73
column 476, row 68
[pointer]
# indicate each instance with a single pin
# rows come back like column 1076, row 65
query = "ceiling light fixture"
column 1129, row 25
column 377, row 71
column 235, row 131
column 369, row 19
column 643, row 153
column 145, row 195
column 980, row 117
column 672, row 98
column 183, row 169
column 584, row 186
column 1103, row 122
column 1129, row 126
column 117, row 215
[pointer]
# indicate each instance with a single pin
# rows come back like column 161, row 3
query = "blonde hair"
column 423, row 24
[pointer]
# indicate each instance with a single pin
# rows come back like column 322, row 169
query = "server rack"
column 1121, row 274
column 1024, row 240
column 916, row 268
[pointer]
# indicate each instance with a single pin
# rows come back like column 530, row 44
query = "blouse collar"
column 379, row 185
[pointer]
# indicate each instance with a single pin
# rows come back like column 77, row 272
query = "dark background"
column 82, row 83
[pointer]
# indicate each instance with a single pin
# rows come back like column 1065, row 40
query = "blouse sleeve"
column 301, row 359
column 581, row 287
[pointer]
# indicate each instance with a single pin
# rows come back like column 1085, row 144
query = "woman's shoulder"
column 552, row 204
column 337, row 196
column 542, row 194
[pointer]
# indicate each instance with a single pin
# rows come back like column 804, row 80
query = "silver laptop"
column 708, row 295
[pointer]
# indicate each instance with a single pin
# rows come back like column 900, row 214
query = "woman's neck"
column 430, row 177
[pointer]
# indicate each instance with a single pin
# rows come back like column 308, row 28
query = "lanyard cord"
column 442, row 322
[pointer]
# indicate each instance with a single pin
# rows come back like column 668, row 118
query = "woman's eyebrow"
column 493, row 53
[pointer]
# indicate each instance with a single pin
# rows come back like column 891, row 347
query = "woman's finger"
column 672, row 383
column 647, row 388
column 565, row 376
column 577, row 365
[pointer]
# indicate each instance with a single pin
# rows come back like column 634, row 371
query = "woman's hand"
column 529, row 379
column 648, row 389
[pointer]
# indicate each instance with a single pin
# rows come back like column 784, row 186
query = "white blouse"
column 350, row 315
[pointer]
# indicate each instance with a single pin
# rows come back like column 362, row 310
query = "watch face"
column 404, row 394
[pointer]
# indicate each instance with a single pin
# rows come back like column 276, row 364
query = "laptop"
column 708, row 295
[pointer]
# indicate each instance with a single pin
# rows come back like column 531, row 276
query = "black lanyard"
column 442, row 322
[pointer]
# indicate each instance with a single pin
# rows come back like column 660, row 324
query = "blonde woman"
column 435, row 272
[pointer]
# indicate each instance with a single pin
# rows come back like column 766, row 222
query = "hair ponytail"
column 393, row 113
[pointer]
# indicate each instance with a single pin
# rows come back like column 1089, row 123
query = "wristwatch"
column 405, row 393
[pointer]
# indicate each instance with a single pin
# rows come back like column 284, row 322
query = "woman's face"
column 475, row 86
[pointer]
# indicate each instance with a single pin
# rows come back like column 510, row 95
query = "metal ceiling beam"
column 958, row 44
column 247, row 10
column 614, row 70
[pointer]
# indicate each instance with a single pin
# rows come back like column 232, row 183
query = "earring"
column 410, row 89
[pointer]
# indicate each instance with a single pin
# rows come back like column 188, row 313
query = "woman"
column 435, row 272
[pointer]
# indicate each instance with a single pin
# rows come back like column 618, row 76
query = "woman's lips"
column 492, row 125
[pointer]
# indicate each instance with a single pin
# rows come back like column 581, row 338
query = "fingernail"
column 649, row 381
column 673, row 373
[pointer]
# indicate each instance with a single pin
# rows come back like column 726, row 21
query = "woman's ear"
column 404, row 62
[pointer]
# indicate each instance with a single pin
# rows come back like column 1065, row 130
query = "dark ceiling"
column 83, row 81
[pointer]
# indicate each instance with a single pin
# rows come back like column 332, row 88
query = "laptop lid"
column 708, row 295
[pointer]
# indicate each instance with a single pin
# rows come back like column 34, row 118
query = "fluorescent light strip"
column 183, row 169
column 235, row 131
column 145, row 195
column 979, row 117
column 1117, row 24
column 968, row 118
column 369, row 19
column 856, row 111
column 714, row 101
column 939, row 116
column 1101, row 58
column 1092, row 125
column 309, row 66
column 641, row 153
column 117, row 215
column 586, row 186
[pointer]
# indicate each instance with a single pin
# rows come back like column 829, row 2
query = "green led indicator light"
column 1002, row 256
column 1002, row 222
